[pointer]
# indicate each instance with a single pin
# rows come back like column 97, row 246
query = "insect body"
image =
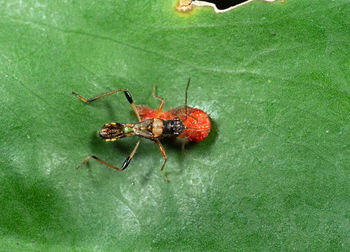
column 183, row 122
column 154, row 128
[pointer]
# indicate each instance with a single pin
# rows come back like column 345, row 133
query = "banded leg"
column 125, row 164
column 162, row 150
column 161, row 105
column 126, row 93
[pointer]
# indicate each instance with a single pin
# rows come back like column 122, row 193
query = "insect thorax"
column 173, row 127
column 158, row 128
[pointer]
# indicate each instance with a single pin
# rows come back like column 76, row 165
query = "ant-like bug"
column 153, row 125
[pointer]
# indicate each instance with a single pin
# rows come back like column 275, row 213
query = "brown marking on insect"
column 157, row 127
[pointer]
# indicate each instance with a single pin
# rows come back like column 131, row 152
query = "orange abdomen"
column 197, row 126
column 197, row 122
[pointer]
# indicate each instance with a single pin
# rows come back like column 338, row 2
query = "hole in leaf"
column 221, row 5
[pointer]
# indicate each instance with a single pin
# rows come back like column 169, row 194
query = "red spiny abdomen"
column 197, row 122
column 197, row 126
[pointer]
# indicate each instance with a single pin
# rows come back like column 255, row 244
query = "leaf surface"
column 272, row 175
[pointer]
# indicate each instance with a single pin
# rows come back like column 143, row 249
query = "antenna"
column 188, row 84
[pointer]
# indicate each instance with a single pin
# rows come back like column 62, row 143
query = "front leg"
column 126, row 93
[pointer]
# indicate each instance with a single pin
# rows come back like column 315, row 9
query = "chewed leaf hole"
column 219, row 6
column 222, row 5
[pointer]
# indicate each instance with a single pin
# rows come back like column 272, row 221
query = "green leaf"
column 273, row 174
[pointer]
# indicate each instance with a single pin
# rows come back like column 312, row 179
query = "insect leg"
column 162, row 151
column 126, row 93
column 128, row 159
column 161, row 105
column 125, row 164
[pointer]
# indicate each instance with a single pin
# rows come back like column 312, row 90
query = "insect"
column 185, row 122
